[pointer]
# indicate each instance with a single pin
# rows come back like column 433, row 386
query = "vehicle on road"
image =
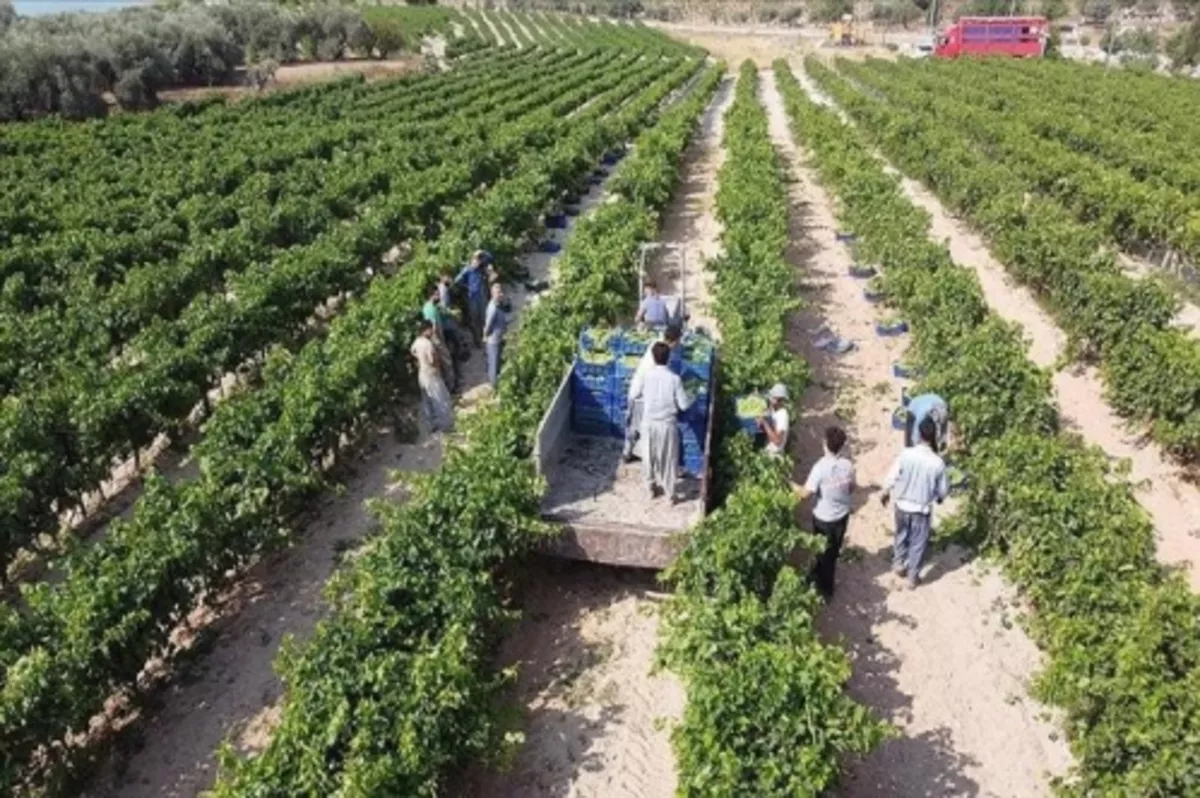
column 1019, row 37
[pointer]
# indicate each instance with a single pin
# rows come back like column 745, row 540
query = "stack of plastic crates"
column 595, row 409
column 692, row 360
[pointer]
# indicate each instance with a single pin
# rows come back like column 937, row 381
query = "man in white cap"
column 777, row 423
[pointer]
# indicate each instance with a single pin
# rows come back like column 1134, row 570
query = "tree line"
column 68, row 63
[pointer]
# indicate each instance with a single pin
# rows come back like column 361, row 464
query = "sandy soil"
column 595, row 720
column 1167, row 491
column 521, row 29
column 945, row 662
column 763, row 44
column 495, row 30
column 510, row 35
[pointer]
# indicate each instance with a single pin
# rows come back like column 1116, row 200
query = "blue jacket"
column 476, row 281
column 920, row 407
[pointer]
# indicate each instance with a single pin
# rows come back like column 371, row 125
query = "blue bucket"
column 549, row 246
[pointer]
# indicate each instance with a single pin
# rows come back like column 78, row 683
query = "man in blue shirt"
column 653, row 310
column 927, row 405
column 474, row 277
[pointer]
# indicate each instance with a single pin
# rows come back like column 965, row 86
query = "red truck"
column 1020, row 37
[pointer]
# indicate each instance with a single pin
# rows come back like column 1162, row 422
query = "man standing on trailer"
column 653, row 310
column 927, row 405
column 663, row 400
column 919, row 479
column 436, row 404
column 633, row 415
column 474, row 277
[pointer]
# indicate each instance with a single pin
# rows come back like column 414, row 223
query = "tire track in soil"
column 1166, row 490
column 945, row 663
column 596, row 720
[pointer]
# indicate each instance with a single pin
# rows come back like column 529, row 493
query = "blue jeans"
column 476, row 312
column 908, row 547
column 495, row 351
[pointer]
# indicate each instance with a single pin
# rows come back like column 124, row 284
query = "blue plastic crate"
column 636, row 342
column 696, row 371
column 592, row 379
column 601, row 339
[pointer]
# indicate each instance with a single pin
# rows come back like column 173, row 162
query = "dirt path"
column 229, row 690
column 1163, row 488
column 509, row 34
column 690, row 221
column 495, row 30
column 945, row 662
column 594, row 717
column 520, row 27
column 596, row 720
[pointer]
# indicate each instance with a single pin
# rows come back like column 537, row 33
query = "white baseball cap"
column 779, row 391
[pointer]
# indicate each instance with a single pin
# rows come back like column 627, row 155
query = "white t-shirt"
column 426, row 355
column 782, row 423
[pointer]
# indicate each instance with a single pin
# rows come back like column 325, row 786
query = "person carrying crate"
column 663, row 400
column 633, row 415
column 777, row 423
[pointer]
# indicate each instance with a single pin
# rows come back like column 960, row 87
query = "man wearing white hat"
column 777, row 423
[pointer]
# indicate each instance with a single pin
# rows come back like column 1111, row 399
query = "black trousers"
column 823, row 569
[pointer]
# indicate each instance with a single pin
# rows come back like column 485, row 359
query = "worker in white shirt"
column 918, row 478
column 633, row 415
column 832, row 482
column 776, row 424
column 663, row 400
column 436, row 403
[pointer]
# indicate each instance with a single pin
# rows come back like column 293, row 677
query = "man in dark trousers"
column 832, row 482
